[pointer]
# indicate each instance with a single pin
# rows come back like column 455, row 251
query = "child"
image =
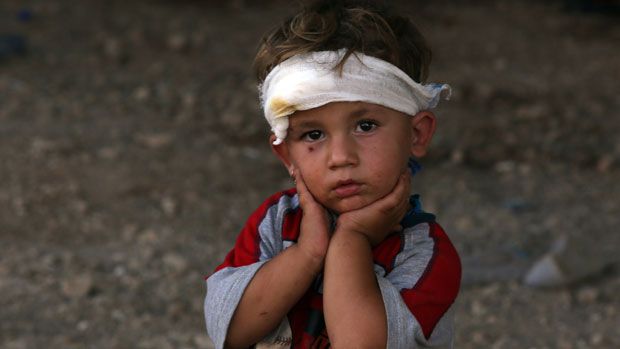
column 346, row 259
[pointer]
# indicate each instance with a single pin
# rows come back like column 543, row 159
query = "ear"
column 423, row 128
column 281, row 151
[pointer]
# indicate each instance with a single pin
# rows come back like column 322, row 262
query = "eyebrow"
column 306, row 125
column 361, row 111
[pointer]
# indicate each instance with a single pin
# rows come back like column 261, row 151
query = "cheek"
column 387, row 164
column 307, row 161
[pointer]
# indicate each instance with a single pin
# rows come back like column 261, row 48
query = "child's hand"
column 377, row 220
column 314, row 235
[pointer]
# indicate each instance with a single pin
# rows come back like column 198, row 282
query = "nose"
column 342, row 152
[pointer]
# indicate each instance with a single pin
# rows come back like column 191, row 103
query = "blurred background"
column 132, row 149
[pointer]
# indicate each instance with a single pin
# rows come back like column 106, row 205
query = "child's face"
column 351, row 154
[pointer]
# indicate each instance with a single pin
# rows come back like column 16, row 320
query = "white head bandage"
column 309, row 81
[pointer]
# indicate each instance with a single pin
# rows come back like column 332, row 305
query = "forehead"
column 342, row 111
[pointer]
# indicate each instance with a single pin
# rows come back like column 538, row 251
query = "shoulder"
column 282, row 201
column 429, row 242
column 445, row 261
column 278, row 217
column 420, row 249
column 282, row 198
column 265, row 230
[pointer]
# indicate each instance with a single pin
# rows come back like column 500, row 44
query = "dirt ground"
column 132, row 149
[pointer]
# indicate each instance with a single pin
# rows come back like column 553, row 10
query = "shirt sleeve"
column 259, row 241
column 420, row 288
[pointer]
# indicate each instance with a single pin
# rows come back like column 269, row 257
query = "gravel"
column 133, row 150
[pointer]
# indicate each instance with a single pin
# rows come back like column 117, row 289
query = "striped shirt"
column 418, row 271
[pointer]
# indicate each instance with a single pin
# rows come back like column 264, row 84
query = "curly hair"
column 357, row 26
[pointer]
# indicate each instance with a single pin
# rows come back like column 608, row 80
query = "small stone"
column 155, row 342
column 118, row 315
column 129, row 232
column 175, row 262
column 203, row 341
column 532, row 111
column 545, row 273
column 16, row 344
column 119, row 271
column 19, row 206
column 604, row 163
column 501, row 342
column 478, row 337
column 169, row 206
column 500, row 64
column 148, row 236
column 588, row 295
column 154, row 140
column 113, row 49
column 596, row 338
column 610, row 310
column 178, row 42
column 77, row 286
column 457, row 156
column 524, row 169
column 505, row 167
column 80, row 206
column 199, row 38
column 82, row 326
column 464, row 223
column 4, row 270
column 477, row 309
column 492, row 319
column 108, row 153
column 189, row 100
column 564, row 343
column 141, row 93
column 232, row 118
column 174, row 310
column 40, row 146
column 595, row 318
column 490, row 291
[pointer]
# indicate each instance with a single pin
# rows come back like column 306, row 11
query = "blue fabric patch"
column 416, row 214
column 414, row 166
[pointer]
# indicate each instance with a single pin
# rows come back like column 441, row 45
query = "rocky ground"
column 132, row 150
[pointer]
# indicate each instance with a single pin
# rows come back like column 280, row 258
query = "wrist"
column 349, row 237
column 313, row 263
column 345, row 234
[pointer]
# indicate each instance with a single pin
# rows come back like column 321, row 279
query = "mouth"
column 347, row 188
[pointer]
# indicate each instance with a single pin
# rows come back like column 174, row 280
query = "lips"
column 347, row 188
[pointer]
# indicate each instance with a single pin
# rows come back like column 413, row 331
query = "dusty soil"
column 132, row 149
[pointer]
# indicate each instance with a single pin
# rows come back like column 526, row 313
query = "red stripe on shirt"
column 438, row 287
column 385, row 253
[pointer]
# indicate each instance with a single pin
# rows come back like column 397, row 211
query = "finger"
column 400, row 193
column 398, row 200
column 405, row 192
column 302, row 191
column 397, row 197
column 305, row 197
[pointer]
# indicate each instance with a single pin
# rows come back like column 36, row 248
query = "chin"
column 349, row 204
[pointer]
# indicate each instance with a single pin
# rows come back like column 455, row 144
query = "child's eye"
column 312, row 136
column 366, row 126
